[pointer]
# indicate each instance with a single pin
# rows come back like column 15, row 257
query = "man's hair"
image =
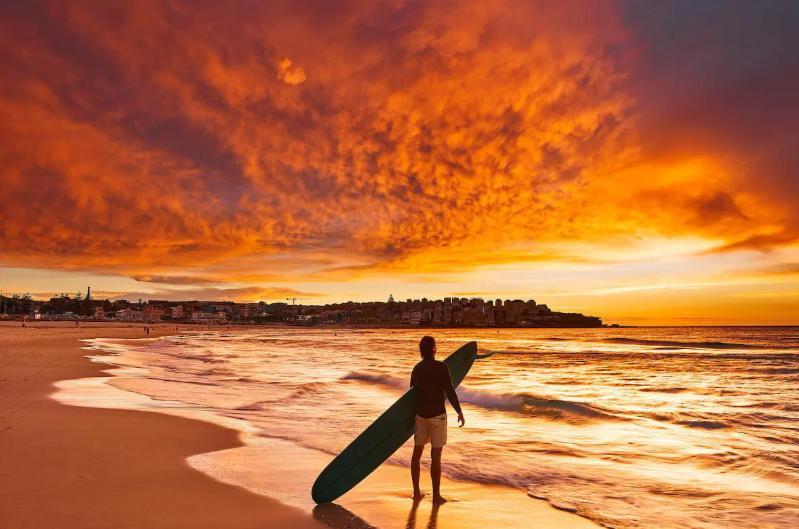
column 426, row 346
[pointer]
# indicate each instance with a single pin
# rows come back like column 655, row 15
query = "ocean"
column 630, row 427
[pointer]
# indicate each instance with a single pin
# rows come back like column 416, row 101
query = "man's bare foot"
column 438, row 500
column 418, row 495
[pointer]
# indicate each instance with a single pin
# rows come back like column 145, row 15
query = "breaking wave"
column 515, row 402
column 670, row 389
column 686, row 345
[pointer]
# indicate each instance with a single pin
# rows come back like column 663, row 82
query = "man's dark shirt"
column 432, row 381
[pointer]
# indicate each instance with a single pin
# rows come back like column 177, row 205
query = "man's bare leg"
column 416, row 460
column 435, row 474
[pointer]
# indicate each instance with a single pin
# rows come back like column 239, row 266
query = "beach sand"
column 85, row 467
column 77, row 467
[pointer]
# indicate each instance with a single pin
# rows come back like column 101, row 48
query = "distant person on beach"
column 433, row 384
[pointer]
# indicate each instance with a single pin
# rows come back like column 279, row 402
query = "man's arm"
column 412, row 376
column 449, row 389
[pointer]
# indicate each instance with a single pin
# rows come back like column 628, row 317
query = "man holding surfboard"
column 433, row 384
column 398, row 423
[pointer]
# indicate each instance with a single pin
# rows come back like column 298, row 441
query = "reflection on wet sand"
column 338, row 517
column 411, row 523
column 431, row 523
column 334, row 515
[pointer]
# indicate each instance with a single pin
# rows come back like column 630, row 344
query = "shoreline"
column 237, row 324
column 380, row 501
column 82, row 467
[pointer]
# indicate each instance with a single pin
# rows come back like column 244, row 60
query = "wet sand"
column 101, row 467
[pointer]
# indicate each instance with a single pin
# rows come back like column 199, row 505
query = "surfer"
column 433, row 384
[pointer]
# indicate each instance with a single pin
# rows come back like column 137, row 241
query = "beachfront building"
column 449, row 311
column 489, row 313
column 251, row 310
column 412, row 317
column 130, row 315
column 154, row 313
column 226, row 307
column 333, row 316
column 209, row 318
column 473, row 315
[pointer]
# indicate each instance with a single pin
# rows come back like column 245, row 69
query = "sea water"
column 630, row 427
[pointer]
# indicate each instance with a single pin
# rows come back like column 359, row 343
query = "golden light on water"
column 630, row 427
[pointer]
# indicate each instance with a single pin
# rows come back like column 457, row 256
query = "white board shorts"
column 431, row 430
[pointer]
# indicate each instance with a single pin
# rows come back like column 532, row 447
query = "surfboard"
column 384, row 436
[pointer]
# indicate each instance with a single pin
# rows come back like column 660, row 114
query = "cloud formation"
column 176, row 280
column 242, row 294
column 168, row 140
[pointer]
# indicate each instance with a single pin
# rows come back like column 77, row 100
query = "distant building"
column 154, row 313
column 425, row 311
column 130, row 315
column 446, row 314
column 209, row 317
column 332, row 316
column 412, row 317
column 473, row 316
column 489, row 314
column 438, row 314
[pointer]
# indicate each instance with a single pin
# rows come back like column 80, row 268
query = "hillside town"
column 447, row 312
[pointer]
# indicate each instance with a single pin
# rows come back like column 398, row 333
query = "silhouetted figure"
column 433, row 384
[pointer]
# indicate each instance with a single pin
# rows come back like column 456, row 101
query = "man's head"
column 427, row 347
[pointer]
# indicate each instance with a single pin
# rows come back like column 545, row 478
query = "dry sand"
column 85, row 467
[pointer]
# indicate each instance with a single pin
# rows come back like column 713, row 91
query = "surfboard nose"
column 317, row 495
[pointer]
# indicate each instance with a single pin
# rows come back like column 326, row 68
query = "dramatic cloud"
column 161, row 136
column 222, row 294
column 718, row 82
column 177, row 280
column 193, row 143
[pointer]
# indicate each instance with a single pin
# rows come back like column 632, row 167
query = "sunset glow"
column 634, row 161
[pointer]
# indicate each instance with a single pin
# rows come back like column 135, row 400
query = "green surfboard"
column 383, row 437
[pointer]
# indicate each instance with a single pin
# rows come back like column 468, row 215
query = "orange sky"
column 637, row 162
